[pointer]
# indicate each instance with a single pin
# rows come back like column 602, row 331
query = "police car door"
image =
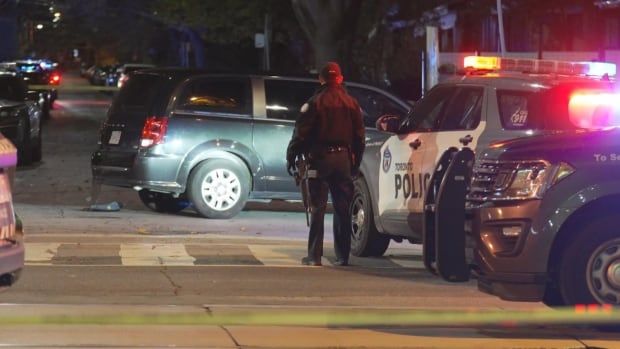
column 404, row 174
column 461, row 125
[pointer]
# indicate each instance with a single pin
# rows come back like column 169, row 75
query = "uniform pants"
column 333, row 174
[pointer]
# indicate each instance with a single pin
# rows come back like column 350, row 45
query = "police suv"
column 497, row 100
column 545, row 212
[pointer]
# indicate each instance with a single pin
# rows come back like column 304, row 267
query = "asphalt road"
column 135, row 261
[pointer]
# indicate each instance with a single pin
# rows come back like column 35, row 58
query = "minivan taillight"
column 154, row 130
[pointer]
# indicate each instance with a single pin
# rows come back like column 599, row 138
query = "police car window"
column 427, row 111
column 221, row 95
column 285, row 98
column 375, row 104
column 515, row 109
column 464, row 110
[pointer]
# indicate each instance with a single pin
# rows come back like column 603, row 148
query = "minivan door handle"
column 466, row 140
column 415, row 144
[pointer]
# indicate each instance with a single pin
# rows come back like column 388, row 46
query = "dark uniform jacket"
column 330, row 118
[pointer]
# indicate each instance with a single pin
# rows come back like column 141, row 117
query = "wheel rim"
column 221, row 189
column 358, row 218
column 604, row 272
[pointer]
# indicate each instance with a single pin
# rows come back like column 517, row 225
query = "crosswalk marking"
column 155, row 254
column 41, row 253
column 195, row 254
column 280, row 255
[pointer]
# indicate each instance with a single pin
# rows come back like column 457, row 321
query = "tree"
column 330, row 27
column 228, row 28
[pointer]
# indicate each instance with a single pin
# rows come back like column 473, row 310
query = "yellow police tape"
column 67, row 87
column 566, row 316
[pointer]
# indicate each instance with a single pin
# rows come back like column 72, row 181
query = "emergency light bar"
column 540, row 66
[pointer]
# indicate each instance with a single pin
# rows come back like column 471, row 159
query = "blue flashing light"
column 600, row 69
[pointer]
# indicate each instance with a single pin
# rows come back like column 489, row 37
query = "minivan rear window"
column 141, row 96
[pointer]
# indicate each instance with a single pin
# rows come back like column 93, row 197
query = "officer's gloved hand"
column 290, row 165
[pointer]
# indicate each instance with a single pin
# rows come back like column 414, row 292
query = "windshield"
column 142, row 93
column 12, row 89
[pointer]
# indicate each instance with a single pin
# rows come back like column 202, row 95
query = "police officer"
column 330, row 134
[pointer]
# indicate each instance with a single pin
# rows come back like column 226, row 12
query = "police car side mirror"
column 388, row 123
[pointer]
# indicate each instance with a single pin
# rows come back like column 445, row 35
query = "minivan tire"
column 366, row 241
column 218, row 188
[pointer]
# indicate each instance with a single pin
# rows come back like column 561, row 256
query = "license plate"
column 115, row 137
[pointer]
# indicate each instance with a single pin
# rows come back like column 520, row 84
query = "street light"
column 39, row 26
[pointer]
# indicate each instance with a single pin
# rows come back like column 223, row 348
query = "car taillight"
column 122, row 80
column 55, row 79
column 154, row 130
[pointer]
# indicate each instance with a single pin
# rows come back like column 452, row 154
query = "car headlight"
column 529, row 180
column 9, row 113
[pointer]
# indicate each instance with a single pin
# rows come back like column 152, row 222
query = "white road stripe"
column 41, row 253
column 280, row 255
column 155, row 254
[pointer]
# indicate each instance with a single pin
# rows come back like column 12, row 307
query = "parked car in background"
column 42, row 75
column 20, row 117
column 101, row 75
column 11, row 232
column 124, row 70
column 214, row 140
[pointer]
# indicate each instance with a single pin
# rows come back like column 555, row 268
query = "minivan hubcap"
column 221, row 189
column 604, row 273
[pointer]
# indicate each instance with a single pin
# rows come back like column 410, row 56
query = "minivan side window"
column 464, row 110
column 221, row 95
column 374, row 105
column 285, row 98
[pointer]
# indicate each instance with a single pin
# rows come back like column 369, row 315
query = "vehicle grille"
column 489, row 178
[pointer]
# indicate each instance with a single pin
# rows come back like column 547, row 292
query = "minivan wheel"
column 162, row 202
column 590, row 266
column 219, row 188
column 366, row 241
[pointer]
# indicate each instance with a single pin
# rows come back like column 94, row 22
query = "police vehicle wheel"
column 590, row 265
column 366, row 241
column 162, row 202
column 37, row 150
column 219, row 188
column 25, row 148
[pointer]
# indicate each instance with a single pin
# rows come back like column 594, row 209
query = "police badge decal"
column 387, row 159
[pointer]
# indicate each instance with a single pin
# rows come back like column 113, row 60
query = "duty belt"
column 335, row 148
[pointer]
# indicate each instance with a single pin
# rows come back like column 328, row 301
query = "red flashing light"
column 154, row 130
column 55, row 79
column 594, row 109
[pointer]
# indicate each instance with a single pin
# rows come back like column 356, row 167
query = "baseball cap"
column 330, row 71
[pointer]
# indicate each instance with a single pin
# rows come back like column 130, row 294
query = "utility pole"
column 500, row 22
column 267, row 65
